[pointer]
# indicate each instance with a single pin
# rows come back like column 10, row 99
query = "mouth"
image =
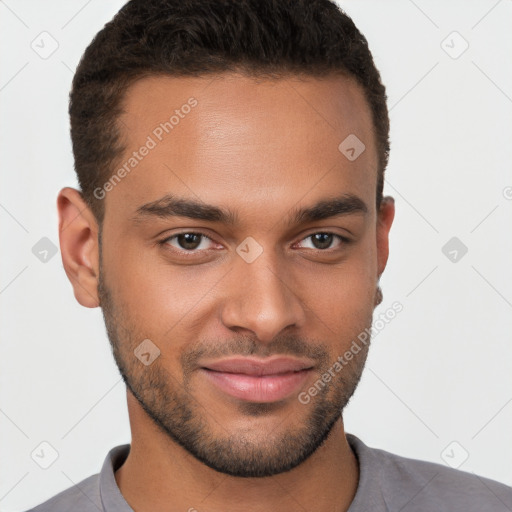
column 258, row 380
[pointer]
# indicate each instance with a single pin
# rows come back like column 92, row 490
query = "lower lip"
column 265, row 388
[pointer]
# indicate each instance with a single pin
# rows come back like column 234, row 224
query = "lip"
column 259, row 367
column 258, row 380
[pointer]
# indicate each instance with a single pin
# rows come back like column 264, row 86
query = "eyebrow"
column 172, row 206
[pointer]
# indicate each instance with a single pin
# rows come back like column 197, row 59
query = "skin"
column 262, row 149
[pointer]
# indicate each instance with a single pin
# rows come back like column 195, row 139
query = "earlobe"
column 386, row 215
column 78, row 236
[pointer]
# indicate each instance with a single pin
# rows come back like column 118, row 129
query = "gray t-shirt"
column 387, row 483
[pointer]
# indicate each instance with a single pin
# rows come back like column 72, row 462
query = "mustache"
column 250, row 346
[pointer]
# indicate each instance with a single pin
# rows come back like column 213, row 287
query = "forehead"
column 333, row 103
column 229, row 138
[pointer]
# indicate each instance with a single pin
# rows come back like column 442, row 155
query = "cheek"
column 345, row 306
column 157, row 298
column 345, row 290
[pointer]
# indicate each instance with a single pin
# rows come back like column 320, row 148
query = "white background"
column 440, row 372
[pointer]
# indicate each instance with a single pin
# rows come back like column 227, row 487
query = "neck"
column 161, row 476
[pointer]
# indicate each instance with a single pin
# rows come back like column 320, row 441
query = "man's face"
column 260, row 285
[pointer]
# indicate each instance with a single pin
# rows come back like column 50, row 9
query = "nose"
column 262, row 299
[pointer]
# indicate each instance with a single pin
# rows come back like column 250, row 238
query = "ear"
column 78, row 236
column 385, row 217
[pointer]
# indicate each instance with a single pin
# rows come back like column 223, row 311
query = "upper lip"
column 259, row 367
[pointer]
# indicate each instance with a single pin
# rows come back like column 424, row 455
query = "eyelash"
column 164, row 242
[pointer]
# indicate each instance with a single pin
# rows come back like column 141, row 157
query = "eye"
column 194, row 242
column 323, row 240
column 187, row 242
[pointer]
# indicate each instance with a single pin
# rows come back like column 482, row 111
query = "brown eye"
column 187, row 241
column 324, row 240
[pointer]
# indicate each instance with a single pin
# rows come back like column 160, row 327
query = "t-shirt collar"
column 368, row 494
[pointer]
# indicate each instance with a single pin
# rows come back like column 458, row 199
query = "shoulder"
column 83, row 496
column 412, row 484
column 444, row 486
column 96, row 492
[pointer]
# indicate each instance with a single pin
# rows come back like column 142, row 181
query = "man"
column 231, row 225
